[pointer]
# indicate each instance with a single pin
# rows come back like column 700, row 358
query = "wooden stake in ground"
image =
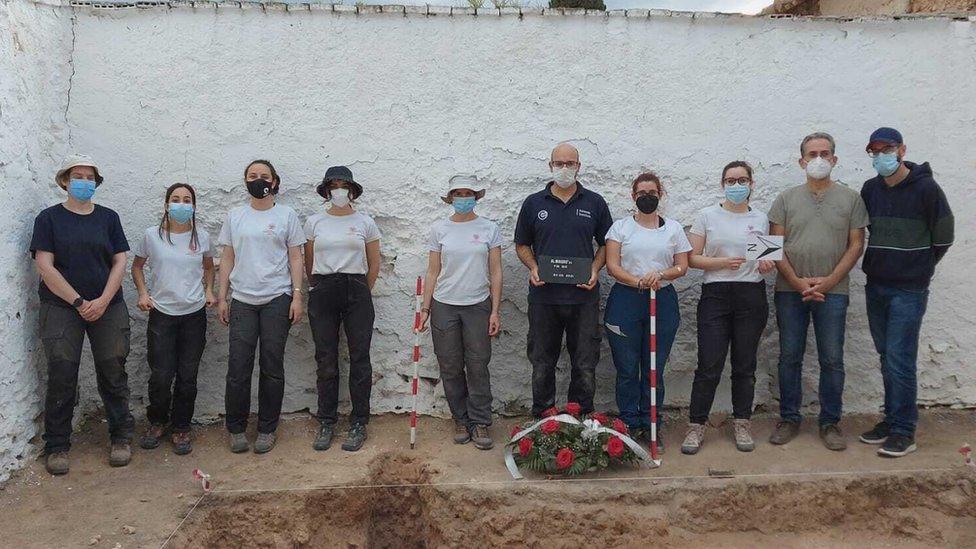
column 653, row 375
column 416, row 361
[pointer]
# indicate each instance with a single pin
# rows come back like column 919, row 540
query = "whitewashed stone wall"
column 407, row 99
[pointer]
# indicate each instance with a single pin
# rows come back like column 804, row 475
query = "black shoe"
column 324, row 439
column 897, row 446
column 877, row 435
column 355, row 438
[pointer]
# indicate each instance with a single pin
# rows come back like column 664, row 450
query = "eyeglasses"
column 887, row 150
column 564, row 163
column 737, row 180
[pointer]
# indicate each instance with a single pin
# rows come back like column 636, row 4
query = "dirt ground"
column 445, row 495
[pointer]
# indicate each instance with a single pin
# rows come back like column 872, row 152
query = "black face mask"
column 259, row 188
column 647, row 203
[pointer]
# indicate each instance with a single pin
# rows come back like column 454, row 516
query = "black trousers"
column 174, row 346
column 334, row 300
column 547, row 324
column 63, row 335
column 248, row 324
column 730, row 314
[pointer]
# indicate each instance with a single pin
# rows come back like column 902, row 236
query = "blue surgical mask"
column 81, row 189
column 464, row 204
column 180, row 213
column 737, row 194
column 886, row 164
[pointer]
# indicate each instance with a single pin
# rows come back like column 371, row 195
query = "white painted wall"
column 35, row 45
column 193, row 94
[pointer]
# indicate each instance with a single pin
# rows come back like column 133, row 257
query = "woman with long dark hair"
column 181, row 276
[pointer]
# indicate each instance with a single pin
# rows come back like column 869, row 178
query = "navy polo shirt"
column 568, row 229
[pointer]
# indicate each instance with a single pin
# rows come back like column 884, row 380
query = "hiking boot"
column 152, row 436
column 694, row 438
column 181, row 443
column 238, row 443
column 897, row 446
column 742, row 429
column 832, row 438
column 121, row 454
column 323, row 441
column 355, row 437
column 785, row 431
column 481, row 437
column 57, row 463
column 264, row 443
column 877, row 435
column 461, row 433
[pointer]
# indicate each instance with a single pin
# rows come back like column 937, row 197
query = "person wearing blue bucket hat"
column 911, row 231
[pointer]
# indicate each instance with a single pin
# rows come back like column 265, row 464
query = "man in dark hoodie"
column 911, row 230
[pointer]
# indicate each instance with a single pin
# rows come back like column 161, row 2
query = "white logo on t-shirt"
column 543, row 214
column 583, row 213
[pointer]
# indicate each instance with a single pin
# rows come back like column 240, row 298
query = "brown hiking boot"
column 694, row 438
column 461, row 433
column 785, row 431
column 57, row 463
column 481, row 437
column 152, row 437
column 121, row 454
column 742, row 430
column 832, row 438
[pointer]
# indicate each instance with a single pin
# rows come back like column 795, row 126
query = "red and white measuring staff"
column 416, row 361
column 653, row 379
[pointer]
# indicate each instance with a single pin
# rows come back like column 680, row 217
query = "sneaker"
column 832, row 438
column 121, row 454
column 152, row 436
column 742, row 429
column 461, row 433
column 238, row 443
column 877, row 435
column 181, row 443
column 897, row 446
column 355, row 437
column 57, row 463
column 481, row 437
column 264, row 443
column 694, row 438
column 323, row 441
column 785, row 431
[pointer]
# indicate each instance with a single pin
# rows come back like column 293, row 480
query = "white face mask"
column 564, row 177
column 819, row 168
column 340, row 197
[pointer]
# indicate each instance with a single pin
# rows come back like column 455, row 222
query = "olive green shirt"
column 817, row 230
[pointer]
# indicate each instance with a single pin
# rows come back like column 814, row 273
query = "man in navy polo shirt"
column 563, row 220
column 911, row 230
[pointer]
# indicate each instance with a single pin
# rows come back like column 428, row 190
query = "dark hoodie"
column 911, row 229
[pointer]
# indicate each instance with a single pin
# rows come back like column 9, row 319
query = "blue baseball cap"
column 888, row 136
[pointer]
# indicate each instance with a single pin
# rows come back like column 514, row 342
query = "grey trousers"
column 463, row 350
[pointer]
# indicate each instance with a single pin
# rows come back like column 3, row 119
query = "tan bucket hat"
column 464, row 182
column 75, row 160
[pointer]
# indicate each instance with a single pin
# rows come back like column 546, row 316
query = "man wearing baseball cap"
column 911, row 230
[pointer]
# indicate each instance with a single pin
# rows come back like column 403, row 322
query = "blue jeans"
column 829, row 321
column 895, row 319
column 627, row 324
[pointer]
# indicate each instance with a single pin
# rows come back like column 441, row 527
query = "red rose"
column 600, row 418
column 619, row 426
column 550, row 427
column 515, row 430
column 565, row 458
column 525, row 446
column 573, row 409
column 550, row 412
column 615, row 447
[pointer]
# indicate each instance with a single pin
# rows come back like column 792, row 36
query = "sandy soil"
column 800, row 495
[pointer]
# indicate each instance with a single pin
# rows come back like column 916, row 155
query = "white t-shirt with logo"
column 725, row 235
column 643, row 250
column 261, row 239
column 464, row 247
column 175, row 271
column 340, row 242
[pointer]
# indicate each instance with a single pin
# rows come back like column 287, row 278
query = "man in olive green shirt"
column 823, row 223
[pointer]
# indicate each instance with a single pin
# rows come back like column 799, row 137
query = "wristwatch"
column 77, row 302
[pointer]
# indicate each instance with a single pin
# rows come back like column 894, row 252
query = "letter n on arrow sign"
column 764, row 247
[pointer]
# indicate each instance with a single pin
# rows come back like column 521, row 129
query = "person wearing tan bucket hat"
column 79, row 249
column 462, row 299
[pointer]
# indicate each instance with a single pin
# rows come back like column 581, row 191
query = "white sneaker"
column 694, row 439
column 742, row 429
